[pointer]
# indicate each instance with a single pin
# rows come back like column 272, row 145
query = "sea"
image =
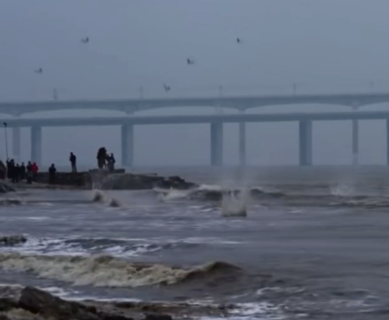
column 312, row 243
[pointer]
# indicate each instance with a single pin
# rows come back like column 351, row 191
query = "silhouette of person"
column 73, row 161
column 52, row 173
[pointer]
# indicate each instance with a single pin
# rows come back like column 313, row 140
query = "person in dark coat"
column 52, row 173
column 22, row 172
column 73, row 162
column 111, row 162
column 29, row 173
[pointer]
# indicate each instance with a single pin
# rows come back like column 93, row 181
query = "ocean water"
column 312, row 242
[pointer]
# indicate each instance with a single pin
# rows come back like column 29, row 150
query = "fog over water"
column 326, row 46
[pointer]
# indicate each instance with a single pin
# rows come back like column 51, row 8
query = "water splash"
column 342, row 190
column 98, row 196
column 234, row 204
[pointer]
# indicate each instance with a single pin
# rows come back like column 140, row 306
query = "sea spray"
column 234, row 204
column 115, row 203
column 98, row 196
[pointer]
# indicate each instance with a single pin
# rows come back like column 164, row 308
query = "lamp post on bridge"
column 6, row 139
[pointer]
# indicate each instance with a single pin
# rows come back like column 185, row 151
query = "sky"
column 322, row 46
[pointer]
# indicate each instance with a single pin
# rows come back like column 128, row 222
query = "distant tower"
column 294, row 87
column 55, row 95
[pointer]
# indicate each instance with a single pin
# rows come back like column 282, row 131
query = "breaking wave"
column 107, row 271
column 100, row 197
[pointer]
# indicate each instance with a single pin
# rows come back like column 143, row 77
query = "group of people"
column 17, row 173
column 104, row 160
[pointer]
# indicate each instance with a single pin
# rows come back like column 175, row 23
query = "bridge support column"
column 36, row 144
column 387, row 142
column 242, row 143
column 355, row 139
column 16, row 143
column 355, row 142
column 217, row 144
column 127, row 140
column 305, row 140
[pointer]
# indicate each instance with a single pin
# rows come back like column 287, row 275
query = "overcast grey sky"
column 324, row 45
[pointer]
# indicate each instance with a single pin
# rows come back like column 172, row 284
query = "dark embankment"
column 116, row 180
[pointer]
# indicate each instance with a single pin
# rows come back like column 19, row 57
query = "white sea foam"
column 250, row 311
column 101, row 271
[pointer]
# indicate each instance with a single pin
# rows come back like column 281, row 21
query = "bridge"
column 131, row 106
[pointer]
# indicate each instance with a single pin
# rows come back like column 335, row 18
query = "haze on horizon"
column 322, row 46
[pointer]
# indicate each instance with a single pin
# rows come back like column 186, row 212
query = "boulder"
column 42, row 303
column 158, row 317
column 4, row 187
column 12, row 240
column 29, row 303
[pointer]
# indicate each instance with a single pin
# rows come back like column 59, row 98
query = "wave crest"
column 106, row 271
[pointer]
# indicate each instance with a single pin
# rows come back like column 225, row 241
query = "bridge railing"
column 177, row 90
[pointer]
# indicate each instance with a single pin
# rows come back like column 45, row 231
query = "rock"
column 158, row 317
column 40, row 302
column 12, row 240
column 18, row 303
column 4, row 188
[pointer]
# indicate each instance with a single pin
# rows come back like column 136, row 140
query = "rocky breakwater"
column 116, row 180
column 129, row 181
column 31, row 303
column 22, row 303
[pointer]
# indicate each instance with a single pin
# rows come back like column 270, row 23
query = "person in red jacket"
column 34, row 170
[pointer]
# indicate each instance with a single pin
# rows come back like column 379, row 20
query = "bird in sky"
column 189, row 61
column 238, row 40
column 40, row 70
column 166, row 87
column 85, row 40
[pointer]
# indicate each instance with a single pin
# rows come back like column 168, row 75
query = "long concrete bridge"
column 129, row 107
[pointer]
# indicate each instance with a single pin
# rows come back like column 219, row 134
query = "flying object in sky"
column 238, row 40
column 40, row 70
column 166, row 87
column 189, row 61
column 85, row 40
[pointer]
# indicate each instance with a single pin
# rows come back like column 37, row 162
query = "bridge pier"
column 127, row 141
column 387, row 142
column 355, row 142
column 36, row 144
column 217, row 144
column 305, row 141
column 242, row 143
column 16, row 143
column 355, row 139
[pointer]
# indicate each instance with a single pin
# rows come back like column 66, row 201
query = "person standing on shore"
column 34, row 170
column 29, row 172
column 22, row 172
column 111, row 162
column 52, row 173
column 73, row 162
